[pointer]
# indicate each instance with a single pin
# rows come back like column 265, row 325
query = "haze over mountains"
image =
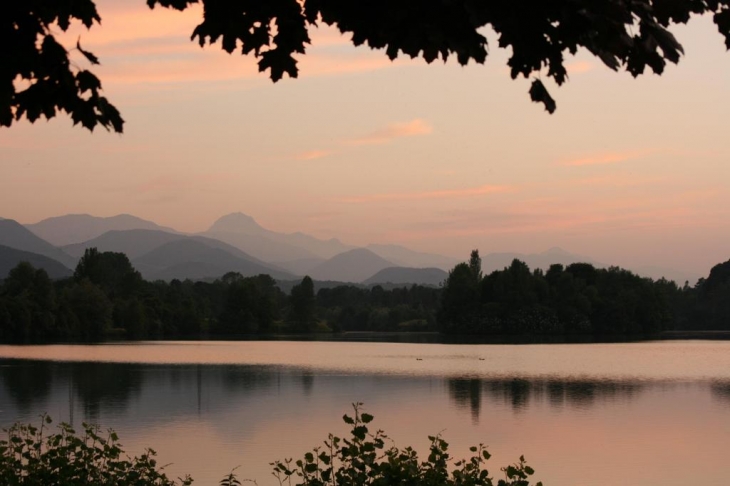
column 236, row 242
column 77, row 228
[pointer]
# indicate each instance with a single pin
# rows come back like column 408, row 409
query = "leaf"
column 88, row 55
column 539, row 94
column 348, row 420
column 87, row 81
column 366, row 418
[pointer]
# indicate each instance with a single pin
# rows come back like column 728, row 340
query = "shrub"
column 364, row 459
column 63, row 458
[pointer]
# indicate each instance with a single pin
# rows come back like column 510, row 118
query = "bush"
column 363, row 459
column 28, row 458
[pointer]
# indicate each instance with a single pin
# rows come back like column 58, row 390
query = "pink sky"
column 439, row 158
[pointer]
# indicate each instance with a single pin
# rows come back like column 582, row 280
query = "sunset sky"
column 439, row 158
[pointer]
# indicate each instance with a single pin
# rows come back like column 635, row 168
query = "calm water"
column 655, row 413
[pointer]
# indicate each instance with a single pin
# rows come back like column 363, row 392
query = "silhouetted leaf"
column 539, row 94
column 88, row 55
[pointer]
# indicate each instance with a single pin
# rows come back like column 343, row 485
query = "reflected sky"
column 574, row 428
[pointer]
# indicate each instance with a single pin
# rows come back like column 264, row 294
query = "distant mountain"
column 76, row 228
column 406, row 257
column 133, row 243
column 301, row 266
column 350, row 266
column 195, row 259
column 15, row 235
column 10, row 257
column 261, row 247
column 407, row 276
column 244, row 232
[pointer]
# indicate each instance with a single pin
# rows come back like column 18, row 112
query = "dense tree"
column 302, row 306
column 111, row 271
column 578, row 298
column 38, row 79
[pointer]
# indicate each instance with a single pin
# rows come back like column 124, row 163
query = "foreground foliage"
column 625, row 35
column 364, row 459
column 28, row 457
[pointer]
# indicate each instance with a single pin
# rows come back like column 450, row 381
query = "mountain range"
column 77, row 228
column 236, row 242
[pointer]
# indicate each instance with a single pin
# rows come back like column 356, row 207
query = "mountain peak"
column 237, row 223
column 556, row 250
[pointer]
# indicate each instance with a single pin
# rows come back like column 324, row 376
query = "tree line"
column 107, row 297
column 579, row 299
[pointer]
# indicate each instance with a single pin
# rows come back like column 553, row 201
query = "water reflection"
column 600, row 426
column 95, row 389
column 519, row 393
column 721, row 391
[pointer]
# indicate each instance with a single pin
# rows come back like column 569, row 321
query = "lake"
column 647, row 413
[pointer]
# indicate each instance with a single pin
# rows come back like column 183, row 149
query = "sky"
column 439, row 158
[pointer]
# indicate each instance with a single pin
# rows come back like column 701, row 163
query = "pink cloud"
column 579, row 67
column 417, row 196
column 179, row 182
column 312, row 155
column 139, row 45
column 606, row 158
column 393, row 131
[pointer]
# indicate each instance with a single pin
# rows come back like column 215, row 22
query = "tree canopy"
column 37, row 78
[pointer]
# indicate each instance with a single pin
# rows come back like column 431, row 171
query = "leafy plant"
column 28, row 457
column 363, row 459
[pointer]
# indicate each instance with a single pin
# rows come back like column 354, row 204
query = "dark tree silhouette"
column 624, row 34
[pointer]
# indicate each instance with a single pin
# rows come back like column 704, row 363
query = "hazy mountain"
column 301, row 266
column 10, row 257
column 132, row 243
column 261, row 247
column 244, row 232
column 406, row 257
column 135, row 243
column 15, row 235
column 351, row 266
column 406, row 276
column 194, row 259
column 76, row 228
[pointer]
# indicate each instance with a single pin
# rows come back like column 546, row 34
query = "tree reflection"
column 721, row 391
column 104, row 385
column 467, row 393
column 520, row 393
column 27, row 383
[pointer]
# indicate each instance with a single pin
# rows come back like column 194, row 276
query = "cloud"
column 158, row 50
column 391, row 132
column 419, row 196
column 606, row 158
column 579, row 67
column 394, row 131
column 618, row 180
column 312, row 155
column 177, row 183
